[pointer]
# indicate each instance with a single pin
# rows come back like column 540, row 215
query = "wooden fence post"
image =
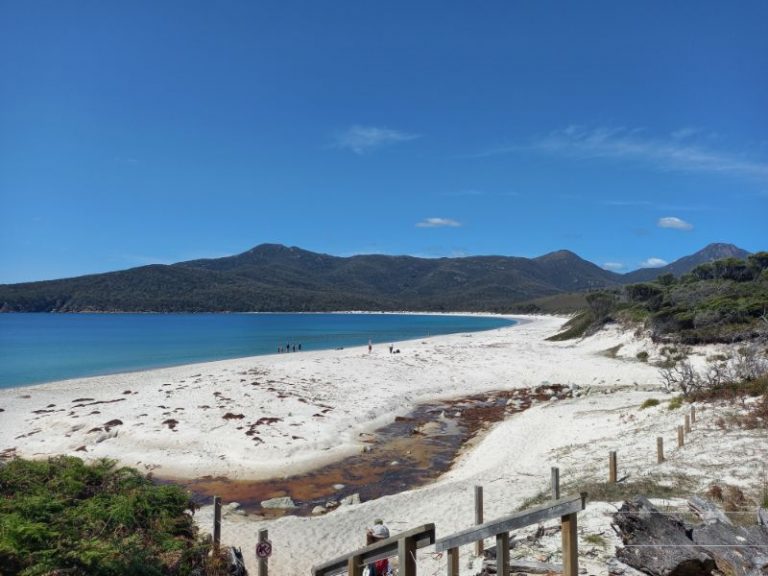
column 406, row 557
column 612, row 467
column 659, row 450
column 502, row 554
column 555, row 472
column 570, row 545
column 687, row 424
column 264, row 562
column 216, row 522
column 355, row 566
column 453, row 562
column 478, row 517
column 693, row 414
column 680, row 437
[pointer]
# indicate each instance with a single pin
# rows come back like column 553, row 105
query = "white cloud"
column 613, row 266
column 362, row 139
column 677, row 152
column 674, row 223
column 438, row 223
column 653, row 263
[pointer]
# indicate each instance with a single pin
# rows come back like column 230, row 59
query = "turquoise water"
column 37, row 348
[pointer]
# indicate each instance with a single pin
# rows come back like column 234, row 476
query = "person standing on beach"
column 378, row 531
column 370, row 346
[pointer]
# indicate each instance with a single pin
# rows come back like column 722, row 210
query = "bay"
column 37, row 348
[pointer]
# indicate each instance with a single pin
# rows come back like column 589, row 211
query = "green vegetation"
column 568, row 303
column 279, row 278
column 721, row 301
column 595, row 540
column 675, row 403
column 642, row 356
column 576, row 327
column 62, row 516
column 649, row 403
column 652, row 486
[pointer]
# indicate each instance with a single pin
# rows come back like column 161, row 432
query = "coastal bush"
column 642, row 356
column 721, row 301
column 722, row 377
column 649, row 403
column 63, row 516
column 675, row 403
column 576, row 327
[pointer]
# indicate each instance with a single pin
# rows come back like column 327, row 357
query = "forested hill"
column 273, row 277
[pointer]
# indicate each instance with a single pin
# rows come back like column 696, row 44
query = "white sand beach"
column 308, row 408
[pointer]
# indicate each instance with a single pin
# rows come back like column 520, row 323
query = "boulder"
column 284, row 502
column 351, row 499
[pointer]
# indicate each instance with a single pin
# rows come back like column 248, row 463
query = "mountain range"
column 273, row 277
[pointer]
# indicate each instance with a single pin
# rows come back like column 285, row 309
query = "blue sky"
column 153, row 132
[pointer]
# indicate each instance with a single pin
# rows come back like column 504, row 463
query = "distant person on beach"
column 391, row 347
column 378, row 531
column 299, row 346
column 370, row 346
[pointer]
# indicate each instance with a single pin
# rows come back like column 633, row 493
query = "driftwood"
column 662, row 545
column 616, row 568
column 527, row 566
column 657, row 543
column 707, row 511
column 736, row 550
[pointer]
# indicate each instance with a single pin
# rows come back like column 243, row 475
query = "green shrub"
column 675, row 403
column 649, row 403
column 642, row 356
column 576, row 327
column 63, row 516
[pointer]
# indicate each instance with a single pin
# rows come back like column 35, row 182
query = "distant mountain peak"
column 559, row 255
column 718, row 250
column 710, row 252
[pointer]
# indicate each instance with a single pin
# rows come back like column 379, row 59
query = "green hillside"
column 721, row 301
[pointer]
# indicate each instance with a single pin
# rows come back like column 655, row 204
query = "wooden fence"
column 404, row 545
column 564, row 508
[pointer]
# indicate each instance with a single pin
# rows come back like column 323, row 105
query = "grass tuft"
column 675, row 403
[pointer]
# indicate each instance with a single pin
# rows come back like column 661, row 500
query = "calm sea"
column 37, row 348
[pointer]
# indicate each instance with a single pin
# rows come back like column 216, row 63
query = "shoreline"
column 46, row 420
column 277, row 415
column 108, row 373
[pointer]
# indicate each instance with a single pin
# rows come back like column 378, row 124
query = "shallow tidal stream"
column 409, row 452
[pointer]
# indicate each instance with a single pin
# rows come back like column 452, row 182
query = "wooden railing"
column 564, row 508
column 403, row 545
